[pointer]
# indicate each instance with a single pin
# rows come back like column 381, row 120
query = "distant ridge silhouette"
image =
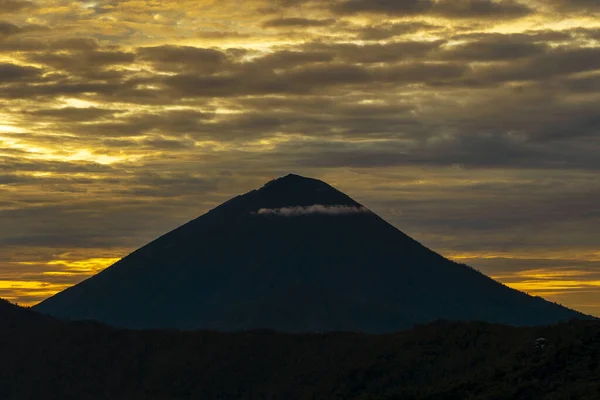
column 12, row 315
column 296, row 255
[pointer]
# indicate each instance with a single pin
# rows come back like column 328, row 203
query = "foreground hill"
column 12, row 315
column 296, row 255
column 453, row 361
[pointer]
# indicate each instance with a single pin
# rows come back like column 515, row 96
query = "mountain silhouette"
column 12, row 316
column 296, row 255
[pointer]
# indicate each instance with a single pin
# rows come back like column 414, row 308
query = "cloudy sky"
column 471, row 125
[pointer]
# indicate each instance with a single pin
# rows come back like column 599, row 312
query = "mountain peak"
column 296, row 255
column 298, row 191
column 295, row 180
column 289, row 191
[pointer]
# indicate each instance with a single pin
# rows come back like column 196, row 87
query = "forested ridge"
column 51, row 359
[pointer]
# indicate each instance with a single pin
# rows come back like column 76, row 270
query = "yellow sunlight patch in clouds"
column 12, row 143
column 548, row 280
column 560, row 286
column 17, row 284
column 86, row 155
column 36, row 151
column 535, row 286
column 20, row 291
column 551, row 273
column 61, row 274
column 91, row 265
column 79, row 103
column 562, row 255
column 558, row 281
column 10, row 129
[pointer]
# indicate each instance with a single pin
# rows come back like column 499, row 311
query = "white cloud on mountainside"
column 314, row 209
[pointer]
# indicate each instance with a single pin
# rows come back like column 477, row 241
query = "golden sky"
column 471, row 125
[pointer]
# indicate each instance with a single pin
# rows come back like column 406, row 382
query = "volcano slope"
column 296, row 255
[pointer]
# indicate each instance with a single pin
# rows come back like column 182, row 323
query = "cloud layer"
column 310, row 210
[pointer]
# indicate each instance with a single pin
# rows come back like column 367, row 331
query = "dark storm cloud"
column 158, row 185
column 52, row 221
column 504, row 9
column 13, row 6
column 389, row 7
column 347, row 120
column 498, row 150
column 332, row 70
column 222, row 35
column 20, row 164
column 177, row 58
column 586, row 84
column 161, row 143
column 297, row 22
column 593, row 34
column 73, row 114
column 20, row 179
column 183, row 126
column 16, row 73
column 6, row 28
column 82, row 61
column 522, row 213
column 424, row 73
column 58, row 88
column 579, row 122
column 80, row 57
column 9, row 179
column 519, row 129
column 460, row 9
column 261, row 117
column 9, row 29
column 323, row 69
column 496, row 48
column 511, row 211
column 309, row 79
column 139, row 207
column 247, row 126
column 59, row 239
column 311, row 107
column 190, row 85
column 74, row 44
column 390, row 30
column 23, row 43
column 341, row 54
column 327, row 75
column 555, row 62
column 376, row 53
column 309, row 68
column 583, row 6
column 171, row 121
column 285, row 59
column 500, row 133
column 531, row 36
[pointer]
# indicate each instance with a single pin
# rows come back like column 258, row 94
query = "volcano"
column 296, row 255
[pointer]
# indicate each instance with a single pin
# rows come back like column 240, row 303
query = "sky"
column 471, row 125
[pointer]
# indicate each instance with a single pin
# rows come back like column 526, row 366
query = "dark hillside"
column 462, row 361
column 12, row 316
